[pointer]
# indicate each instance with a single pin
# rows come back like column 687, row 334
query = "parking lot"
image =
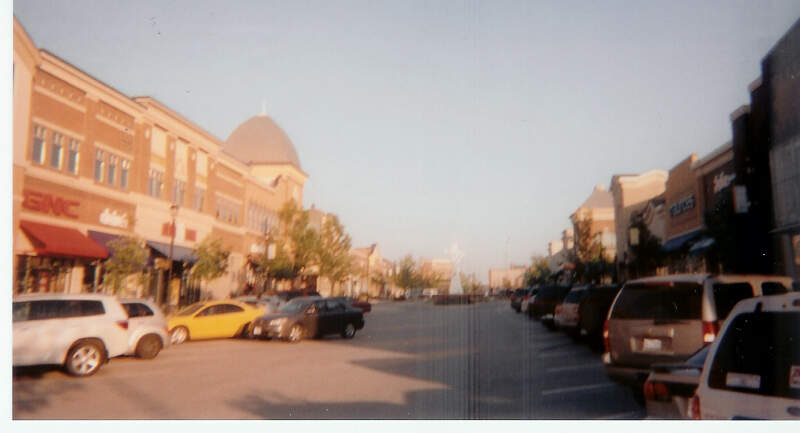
column 413, row 360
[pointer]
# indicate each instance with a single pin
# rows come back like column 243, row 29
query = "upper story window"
column 228, row 211
column 56, row 150
column 155, row 184
column 113, row 161
column 72, row 156
column 125, row 168
column 199, row 198
column 99, row 163
column 178, row 192
column 39, row 135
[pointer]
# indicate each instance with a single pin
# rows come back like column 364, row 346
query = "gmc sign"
column 46, row 203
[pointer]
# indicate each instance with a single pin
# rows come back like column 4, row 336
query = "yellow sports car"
column 211, row 319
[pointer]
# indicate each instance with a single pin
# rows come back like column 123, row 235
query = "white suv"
column 148, row 328
column 753, row 370
column 78, row 331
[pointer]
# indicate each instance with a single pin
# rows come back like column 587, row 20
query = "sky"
column 424, row 123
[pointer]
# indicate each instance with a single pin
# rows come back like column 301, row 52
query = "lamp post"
column 173, row 210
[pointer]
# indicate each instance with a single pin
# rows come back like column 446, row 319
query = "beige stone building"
column 441, row 270
column 600, row 207
column 512, row 277
column 633, row 195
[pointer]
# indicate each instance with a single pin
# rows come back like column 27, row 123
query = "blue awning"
column 677, row 242
column 701, row 246
column 181, row 254
column 103, row 238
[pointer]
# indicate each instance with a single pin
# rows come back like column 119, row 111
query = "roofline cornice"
column 158, row 107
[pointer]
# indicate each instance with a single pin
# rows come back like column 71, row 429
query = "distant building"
column 600, row 207
column 440, row 269
column 510, row 278
column 371, row 274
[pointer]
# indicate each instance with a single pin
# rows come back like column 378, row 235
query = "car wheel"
column 148, row 346
column 296, row 334
column 349, row 331
column 85, row 358
column 179, row 335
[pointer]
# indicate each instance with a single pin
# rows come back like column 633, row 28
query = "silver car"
column 147, row 328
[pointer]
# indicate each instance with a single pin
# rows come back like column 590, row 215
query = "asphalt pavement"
column 413, row 360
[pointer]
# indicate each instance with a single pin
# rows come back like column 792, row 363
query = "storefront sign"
column 49, row 204
column 722, row 181
column 113, row 218
column 682, row 206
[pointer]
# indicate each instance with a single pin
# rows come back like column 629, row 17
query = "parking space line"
column 557, row 354
column 578, row 388
column 624, row 415
column 574, row 367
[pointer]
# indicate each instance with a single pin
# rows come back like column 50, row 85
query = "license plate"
column 257, row 330
column 651, row 344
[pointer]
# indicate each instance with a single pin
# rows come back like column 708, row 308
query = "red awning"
column 61, row 241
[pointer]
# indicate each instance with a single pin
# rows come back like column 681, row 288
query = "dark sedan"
column 309, row 317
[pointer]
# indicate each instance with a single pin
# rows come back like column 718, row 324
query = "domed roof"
column 260, row 140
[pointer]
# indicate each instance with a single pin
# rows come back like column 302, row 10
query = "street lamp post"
column 173, row 210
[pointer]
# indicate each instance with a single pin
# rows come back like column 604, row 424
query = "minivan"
column 667, row 319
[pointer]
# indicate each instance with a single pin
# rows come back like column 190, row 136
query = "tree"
column 538, row 272
column 407, row 276
column 128, row 257
column 298, row 245
column 333, row 253
column 589, row 253
column 212, row 260
column 646, row 254
column 469, row 283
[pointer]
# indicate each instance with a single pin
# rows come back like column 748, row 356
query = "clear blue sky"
column 424, row 123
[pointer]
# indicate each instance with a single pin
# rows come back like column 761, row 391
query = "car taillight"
column 605, row 337
column 656, row 391
column 693, row 409
column 710, row 330
column 123, row 324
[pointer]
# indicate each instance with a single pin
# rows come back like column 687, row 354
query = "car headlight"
column 277, row 322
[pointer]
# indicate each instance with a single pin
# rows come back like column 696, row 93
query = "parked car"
column 527, row 299
column 516, row 299
column 212, row 319
column 310, row 317
column 544, row 306
column 753, row 370
column 147, row 328
column 291, row 294
column 363, row 305
column 667, row 319
column 270, row 303
column 79, row 331
column 670, row 386
column 593, row 311
column 565, row 315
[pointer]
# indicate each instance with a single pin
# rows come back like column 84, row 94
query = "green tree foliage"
column 299, row 244
column 538, row 272
column 212, row 259
column 407, row 276
column 333, row 254
column 589, row 254
column 128, row 257
column 469, row 283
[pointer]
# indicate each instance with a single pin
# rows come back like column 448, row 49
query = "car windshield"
column 293, row 306
column 679, row 301
column 191, row 309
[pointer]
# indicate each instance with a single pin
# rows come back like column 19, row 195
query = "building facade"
column 632, row 195
column 600, row 208
column 91, row 164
